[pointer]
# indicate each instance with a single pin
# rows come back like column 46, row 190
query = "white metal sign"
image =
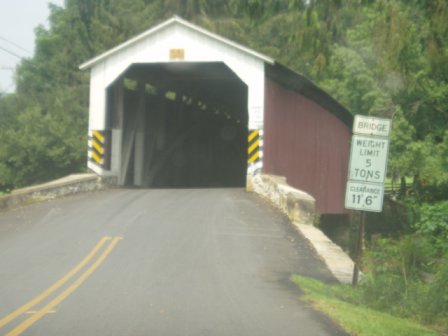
column 368, row 163
column 364, row 196
column 368, row 159
column 371, row 126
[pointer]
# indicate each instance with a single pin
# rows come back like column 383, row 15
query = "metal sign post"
column 367, row 172
column 359, row 246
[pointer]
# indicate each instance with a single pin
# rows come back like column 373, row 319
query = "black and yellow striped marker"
column 98, row 144
column 253, row 149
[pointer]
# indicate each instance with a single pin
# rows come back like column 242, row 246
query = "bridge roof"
column 175, row 20
column 299, row 83
column 273, row 69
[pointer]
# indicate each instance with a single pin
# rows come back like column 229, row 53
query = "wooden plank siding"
column 307, row 144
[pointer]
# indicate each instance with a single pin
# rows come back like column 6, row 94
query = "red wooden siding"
column 308, row 145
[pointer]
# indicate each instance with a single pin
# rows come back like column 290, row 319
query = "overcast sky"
column 18, row 19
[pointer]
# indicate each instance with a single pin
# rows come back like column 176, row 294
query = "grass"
column 339, row 303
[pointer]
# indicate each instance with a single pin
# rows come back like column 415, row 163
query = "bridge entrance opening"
column 179, row 125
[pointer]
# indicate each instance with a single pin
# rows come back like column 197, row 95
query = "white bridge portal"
column 179, row 106
column 176, row 96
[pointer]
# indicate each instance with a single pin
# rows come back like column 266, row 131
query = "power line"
column 11, row 53
column 15, row 45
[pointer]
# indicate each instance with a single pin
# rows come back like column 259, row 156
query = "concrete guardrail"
column 300, row 209
column 62, row 187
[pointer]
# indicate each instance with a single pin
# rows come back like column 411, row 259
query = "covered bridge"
column 179, row 106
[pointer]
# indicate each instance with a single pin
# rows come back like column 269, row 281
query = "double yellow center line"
column 58, row 284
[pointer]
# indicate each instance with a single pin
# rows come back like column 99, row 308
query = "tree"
column 384, row 58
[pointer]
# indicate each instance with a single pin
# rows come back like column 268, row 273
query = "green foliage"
column 343, row 304
column 42, row 146
column 352, row 82
column 435, row 299
column 379, row 57
column 407, row 277
column 434, row 220
column 433, row 223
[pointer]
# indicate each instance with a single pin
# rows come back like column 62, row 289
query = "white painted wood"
column 161, row 26
column 115, row 160
column 154, row 46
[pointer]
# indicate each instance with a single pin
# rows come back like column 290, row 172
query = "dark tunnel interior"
column 184, row 125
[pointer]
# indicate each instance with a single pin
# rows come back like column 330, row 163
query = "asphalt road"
column 155, row 262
